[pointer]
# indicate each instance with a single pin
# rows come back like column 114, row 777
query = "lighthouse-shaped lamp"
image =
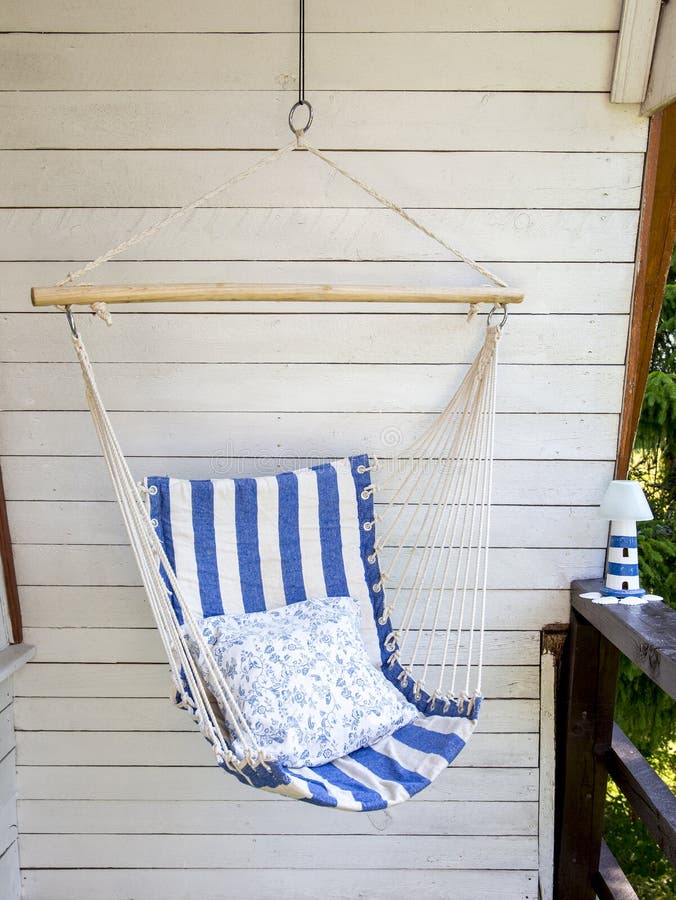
column 624, row 504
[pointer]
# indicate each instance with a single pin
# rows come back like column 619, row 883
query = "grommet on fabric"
column 152, row 489
column 387, row 612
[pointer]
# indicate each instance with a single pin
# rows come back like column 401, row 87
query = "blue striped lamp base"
column 613, row 592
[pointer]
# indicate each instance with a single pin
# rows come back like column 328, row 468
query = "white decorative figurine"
column 624, row 504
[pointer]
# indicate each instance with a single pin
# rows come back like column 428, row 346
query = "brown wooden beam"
column 657, row 230
column 589, row 701
column 646, row 634
column 7, row 561
column 649, row 797
column 610, row 881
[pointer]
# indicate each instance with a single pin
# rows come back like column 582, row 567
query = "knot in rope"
column 101, row 311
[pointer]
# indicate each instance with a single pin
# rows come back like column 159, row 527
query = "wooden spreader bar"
column 83, row 295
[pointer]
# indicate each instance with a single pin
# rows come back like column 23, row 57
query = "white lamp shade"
column 625, row 500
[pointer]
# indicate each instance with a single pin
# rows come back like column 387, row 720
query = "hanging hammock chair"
column 411, row 547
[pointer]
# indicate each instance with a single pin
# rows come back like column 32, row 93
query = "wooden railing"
column 592, row 746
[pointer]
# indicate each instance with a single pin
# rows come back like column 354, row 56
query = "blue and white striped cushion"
column 251, row 544
column 393, row 770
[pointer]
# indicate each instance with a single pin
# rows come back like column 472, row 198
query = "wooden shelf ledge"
column 646, row 634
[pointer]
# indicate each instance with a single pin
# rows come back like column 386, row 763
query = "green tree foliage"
column 645, row 713
column 635, row 850
column 654, row 459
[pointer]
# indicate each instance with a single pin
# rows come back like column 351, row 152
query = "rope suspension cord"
column 390, row 204
column 64, row 294
column 152, row 230
column 153, row 563
column 436, row 511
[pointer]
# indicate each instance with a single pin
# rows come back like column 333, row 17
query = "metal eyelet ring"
column 154, row 523
column 152, row 489
column 362, row 470
column 367, row 526
column 501, row 323
column 297, row 105
column 377, row 587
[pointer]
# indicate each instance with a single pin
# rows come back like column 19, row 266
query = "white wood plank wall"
column 472, row 115
column 10, row 883
column 9, row 849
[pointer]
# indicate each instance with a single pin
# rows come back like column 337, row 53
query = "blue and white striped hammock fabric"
column 252, row 544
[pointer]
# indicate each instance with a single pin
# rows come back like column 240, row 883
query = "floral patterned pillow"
column 302, row 678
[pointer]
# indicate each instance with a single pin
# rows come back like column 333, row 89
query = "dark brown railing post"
column 589, row 703
column 590, row 746
column 8, row 573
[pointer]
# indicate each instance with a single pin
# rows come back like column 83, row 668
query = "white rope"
column 177, row 214
column 150, row 557
column 99, row 308
column 390, row 204
column 454, row 504
column 464, row 569
column 470, row 545
column 437, row 441
column 298, row 143
column 429, row 538
column 422, row 537
column 464, row 453
column 488, row 497
column 449, row 474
